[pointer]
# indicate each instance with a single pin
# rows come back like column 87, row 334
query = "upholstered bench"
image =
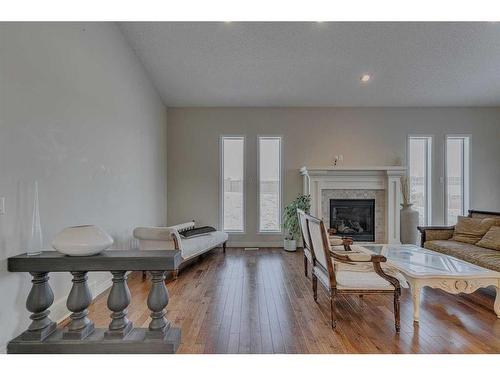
column 169, row 238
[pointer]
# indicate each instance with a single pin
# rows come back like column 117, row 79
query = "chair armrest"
column 379, row 271
column 435, row 233
column 356, row 257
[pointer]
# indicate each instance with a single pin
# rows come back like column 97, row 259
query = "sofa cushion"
column 471, row 230
column 196, row 245
column 491, row 239
column 479, row 256
column 493, row 216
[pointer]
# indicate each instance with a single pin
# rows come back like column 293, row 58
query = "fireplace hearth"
column 353, row 218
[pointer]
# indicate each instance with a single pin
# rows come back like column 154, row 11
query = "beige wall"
column 77, row 113
column 365, row 136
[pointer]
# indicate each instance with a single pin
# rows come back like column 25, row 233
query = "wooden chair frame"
column 332, row 290
column 306, row 246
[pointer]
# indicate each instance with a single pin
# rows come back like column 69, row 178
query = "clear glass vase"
column 35, row 239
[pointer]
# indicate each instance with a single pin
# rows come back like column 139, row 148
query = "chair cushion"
column 347, row 280
column 196, row 245
column 471, row 230
column 474, row 254
column 491, row 239
column 353, row 280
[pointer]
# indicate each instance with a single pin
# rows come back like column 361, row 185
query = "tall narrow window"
column 419, row 171
column 233, row 184
column 270, row 184
column 457, row 177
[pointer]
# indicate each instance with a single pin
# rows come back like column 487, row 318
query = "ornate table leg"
column 157, row 301
column 118, row 301
column 78, row 300
column 39, row 300
column 415, row 291
column 496, row 306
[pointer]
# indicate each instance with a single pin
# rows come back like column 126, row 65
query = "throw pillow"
column 491, row 239
column 471, row 230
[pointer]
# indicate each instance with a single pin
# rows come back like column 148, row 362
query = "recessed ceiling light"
column 365, row 78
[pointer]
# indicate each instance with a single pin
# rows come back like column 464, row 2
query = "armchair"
column 337, row 280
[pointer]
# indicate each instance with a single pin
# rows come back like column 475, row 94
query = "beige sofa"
column 439, row 239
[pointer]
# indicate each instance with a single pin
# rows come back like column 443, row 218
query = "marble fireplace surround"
column 383, row 182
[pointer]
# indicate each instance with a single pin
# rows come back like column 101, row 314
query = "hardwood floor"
column 260, row 302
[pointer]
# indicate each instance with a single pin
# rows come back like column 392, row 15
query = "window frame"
column 280, row 203
column 465, row 173
column 429, row 160
column 222, row 137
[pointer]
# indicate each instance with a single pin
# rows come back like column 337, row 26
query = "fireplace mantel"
column 386, row 178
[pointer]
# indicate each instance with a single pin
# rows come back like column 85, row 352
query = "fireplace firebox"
column 353, row 218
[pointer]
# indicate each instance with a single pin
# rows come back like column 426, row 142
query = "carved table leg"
column 157, row 301
column 496, row 306
column 118, row 301
column 78, row 300
column 415, row 291
column 39, row 300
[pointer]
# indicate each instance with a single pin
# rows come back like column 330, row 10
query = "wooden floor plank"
column 261, row 302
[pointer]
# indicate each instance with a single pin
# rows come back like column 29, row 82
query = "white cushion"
column 361, row 280
column 196, row 245
column 156, row 245
column 161, row 238
column 153, row 233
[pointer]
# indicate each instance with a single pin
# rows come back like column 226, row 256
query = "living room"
column 262, row 187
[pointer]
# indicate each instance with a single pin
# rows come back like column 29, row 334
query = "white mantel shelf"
column 325, row 170
column 316, row 179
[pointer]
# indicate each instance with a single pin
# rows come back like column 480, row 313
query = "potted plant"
column 291, row 220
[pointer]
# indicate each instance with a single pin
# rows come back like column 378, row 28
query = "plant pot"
column 408, row 224
column 82, row 240
column 290, row 245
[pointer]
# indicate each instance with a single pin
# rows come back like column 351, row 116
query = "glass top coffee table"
column 422, row 267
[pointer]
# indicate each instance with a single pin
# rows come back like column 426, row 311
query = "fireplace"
column 353, row 218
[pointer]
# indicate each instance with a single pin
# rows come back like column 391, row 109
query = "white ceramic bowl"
column 82, row 240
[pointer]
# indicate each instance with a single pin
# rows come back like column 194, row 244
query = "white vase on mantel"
column 408, row 224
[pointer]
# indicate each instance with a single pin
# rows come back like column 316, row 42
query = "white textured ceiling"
column 319, row 64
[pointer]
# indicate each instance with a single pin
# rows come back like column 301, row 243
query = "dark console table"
column 80, row 335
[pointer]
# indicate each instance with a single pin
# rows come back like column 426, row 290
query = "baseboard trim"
column 255, row 244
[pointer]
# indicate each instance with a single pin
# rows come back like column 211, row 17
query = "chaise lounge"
column 170, row 238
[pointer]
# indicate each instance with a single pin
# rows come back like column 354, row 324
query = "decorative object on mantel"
column 408, row 216
column 386, row 179
column 82, row 240
column 337, row 160
column 35, row 243
column 291, row 220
